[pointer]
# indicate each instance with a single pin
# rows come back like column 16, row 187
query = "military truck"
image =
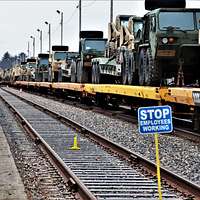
column 30, row 69
column 91, row 45
column 160, row 48
column 1, row 74
column 58, row 62
column 169, row 50
column 16, row 72
column 23, row 71
column 117, row 66
column 66, row 66
column 42, row 70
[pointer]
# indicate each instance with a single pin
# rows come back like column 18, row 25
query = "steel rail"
column 173, row 179
column 72, row 180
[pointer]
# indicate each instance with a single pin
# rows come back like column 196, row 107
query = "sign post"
column 154, row 120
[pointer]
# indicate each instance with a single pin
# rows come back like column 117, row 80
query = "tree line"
column 9, row 61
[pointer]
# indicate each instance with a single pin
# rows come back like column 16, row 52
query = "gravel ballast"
column 176, row 154
column 41, row 180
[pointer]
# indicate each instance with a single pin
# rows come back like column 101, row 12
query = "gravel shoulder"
column 11, row 186
column 176, row 154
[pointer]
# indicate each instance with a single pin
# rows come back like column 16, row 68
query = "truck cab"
column 30, row 69
column 91, row 45
column 42, row 67
column 58, row 63
column 169, row 51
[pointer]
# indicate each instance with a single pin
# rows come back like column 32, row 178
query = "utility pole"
column 50, row 78
column 49, row 32
column 33, row 46
column 80, row 18
column 40, row 31
column 111, row 11
column 28, row 50
column 61, row 24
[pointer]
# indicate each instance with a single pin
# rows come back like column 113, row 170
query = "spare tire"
column 154, row 4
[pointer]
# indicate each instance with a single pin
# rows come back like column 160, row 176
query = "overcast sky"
column 21, row 19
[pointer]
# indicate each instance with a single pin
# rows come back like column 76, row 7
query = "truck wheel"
column 132, row 74
column 82, row 75
column 73, row 72
column 123, row 68
column 142, row 66
column 152, row 72
column 93, row 72
column 98, row 74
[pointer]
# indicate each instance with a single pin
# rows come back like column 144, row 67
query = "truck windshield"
column 72, row 55
column 176, row 20
column 31, row 64
column 124, row 23
column 43, row 61
column 137, row 26
column 60, row 55
column 198, row 19
column 95, row 45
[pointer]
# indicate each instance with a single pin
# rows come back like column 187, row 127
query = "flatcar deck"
column 186, row 96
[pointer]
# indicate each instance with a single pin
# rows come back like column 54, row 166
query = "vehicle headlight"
column 164, row 40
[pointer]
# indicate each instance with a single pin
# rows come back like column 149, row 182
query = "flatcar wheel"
column 123, row 68
column 142, row 66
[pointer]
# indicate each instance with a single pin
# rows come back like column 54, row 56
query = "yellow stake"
column 158, row 167
column 75, row 145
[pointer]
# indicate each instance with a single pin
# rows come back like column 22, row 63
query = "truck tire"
column 82, row 75
column 152, row 72
column 123, row 67
column 142, row 67
column 93, row 72
column 98, row 74
column 132, row 77
column 73, row 72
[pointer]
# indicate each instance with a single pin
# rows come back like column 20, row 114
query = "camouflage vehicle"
column 118, row 64
column 7, row 74
column 1, row 74
column 16, row 72
column 58, row 62
column 30, row 69
column 66, row 66
column 91, row 45
column 23, row 71
column 42, row 69
column 169, row 49
column 160, row 48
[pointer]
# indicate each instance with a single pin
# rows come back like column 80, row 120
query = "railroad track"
column 41, row 179
column 182, row 127
column 105, row 175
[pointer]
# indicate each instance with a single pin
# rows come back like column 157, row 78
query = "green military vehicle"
column 42, row 70
column 169, row 50
column 91, row 45
column 119, row 62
